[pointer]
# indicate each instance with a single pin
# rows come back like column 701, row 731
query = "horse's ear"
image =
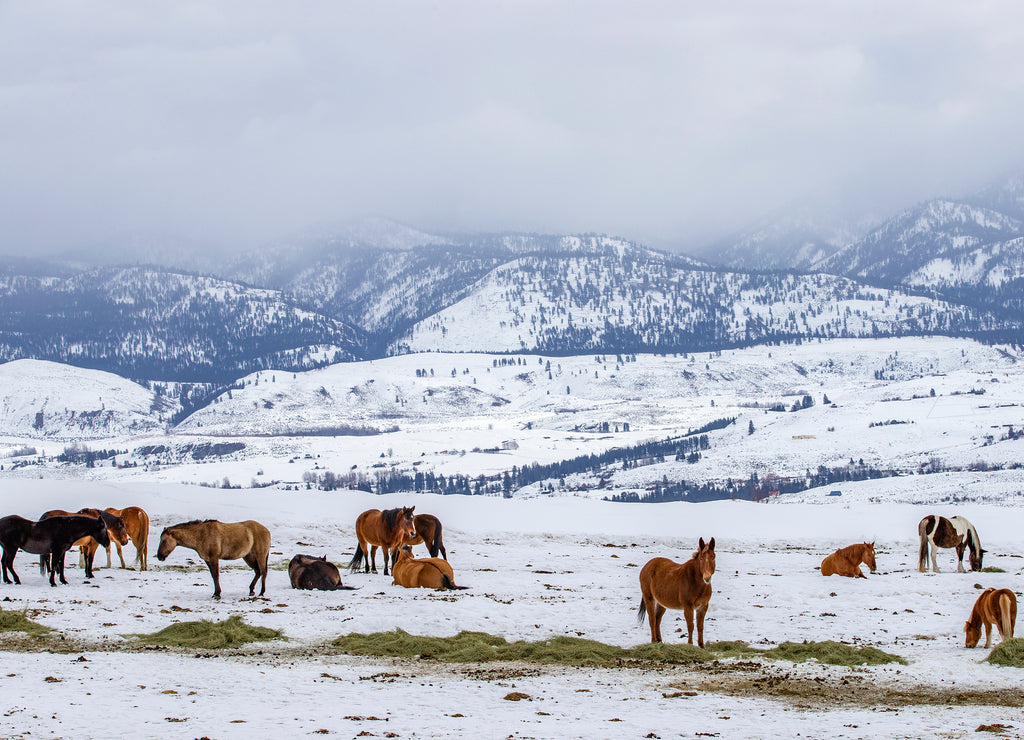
column 412, row 509
column 711, row 544
column 700, row 544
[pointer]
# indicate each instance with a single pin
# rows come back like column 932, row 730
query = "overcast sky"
column 233, row 123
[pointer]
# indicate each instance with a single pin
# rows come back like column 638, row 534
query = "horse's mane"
column 189, row 524
column 973, row 540
column 390, row 517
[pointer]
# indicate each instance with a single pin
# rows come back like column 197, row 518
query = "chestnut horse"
column 422, row 572
column 998, row 607
column 428, row 532
column 385, row 529
column 665, row 584
column 307, row 572
column 215, row 541
column 846, row 562
column 136, row 523
column 937, row 531
column 88, row 546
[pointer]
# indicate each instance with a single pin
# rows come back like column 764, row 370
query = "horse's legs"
column 386, row 551
column 253, row 562
column 371, row 559
column 440, row 546
column 688, row 611
column 933, row 549
column 214, row 566
column 960, row 559
column 141, row 551
column 988, row 634
column 90, row 554
column 8, row 565
column 702, row 609
column 655, row 612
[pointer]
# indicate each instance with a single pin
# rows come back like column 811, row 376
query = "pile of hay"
column 1009, row 653
column 18, row 622
column 204, row 635
column 833, row 653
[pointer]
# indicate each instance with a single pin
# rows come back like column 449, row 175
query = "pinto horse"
column 307, row 572
column 385, row 529
column 51, row 538
column 665, row 584
column 846, row 561
column 136, row 522
column 413, row 572
column 937, row 531
column 998, row 607
column 428, row 532
column 215, row 541
column 88, row 545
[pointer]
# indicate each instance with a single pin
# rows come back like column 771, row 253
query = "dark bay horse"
column 51, row 538
column 387, row 529
column 308, row 572
column 89, row 545
column 665, row 584
column 215, row 541
column 428, row 532
column 937, row 531
column 136, row 523
column 846, row 561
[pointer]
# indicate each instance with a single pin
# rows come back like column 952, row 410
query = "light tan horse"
column 387, row 530
column 215, row 541
column 665, row 584
column 422, row 572
column 87, row 546
column 998, row 607
column 846, row 562
column 136, row 523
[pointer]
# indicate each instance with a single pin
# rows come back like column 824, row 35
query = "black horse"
column 51, row 537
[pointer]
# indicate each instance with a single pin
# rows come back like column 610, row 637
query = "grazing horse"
column 385, row 529
column 998, row 607
column 937, row 531
column 665, row 584
column 50, row 538
column 422, row 572
column 215, row 541
column 846, row 562
column 307, row 572
column 136, row 522
column 88, row 545
column 428, row 532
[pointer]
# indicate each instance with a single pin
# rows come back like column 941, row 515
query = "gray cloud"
column 232, row 122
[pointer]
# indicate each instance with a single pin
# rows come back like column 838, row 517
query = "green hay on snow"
column 732, row 649
column 833, row 653
column 206, row 635
column 662, row 652
column 18, row 622
column 1009, row 653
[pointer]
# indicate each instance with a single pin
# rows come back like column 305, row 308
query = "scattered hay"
column 1009, row 653
column 732, row 649
column 679, row 653
column 833, row 653
column 992, row 569
column 206, row 635
column 18, row 622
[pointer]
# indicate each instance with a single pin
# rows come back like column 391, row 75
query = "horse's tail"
column 922, row 555
column 1005, row 617
column 450, row 584
column 434, row 546
column 357, row 559
column 44, row 565
column 642, row 611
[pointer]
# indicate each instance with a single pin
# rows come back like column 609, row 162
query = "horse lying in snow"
column 422, row 572
column 998, row 607
column 846, row 561
column 310, row 573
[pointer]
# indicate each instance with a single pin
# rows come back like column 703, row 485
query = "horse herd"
column 664, row 584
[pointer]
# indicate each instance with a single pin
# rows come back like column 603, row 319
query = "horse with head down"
column 309, row 573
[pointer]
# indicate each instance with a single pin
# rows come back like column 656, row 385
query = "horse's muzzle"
column 707, row 579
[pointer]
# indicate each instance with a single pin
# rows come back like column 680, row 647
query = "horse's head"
column 167, row 545
column 405, row 551
column 973, row 632
column 976, row 557
column 706, row 559
column 869, row 555
column 115, row 526
column 408, row 522
column 100, row 534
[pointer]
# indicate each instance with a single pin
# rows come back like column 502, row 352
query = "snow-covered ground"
column 535, row 568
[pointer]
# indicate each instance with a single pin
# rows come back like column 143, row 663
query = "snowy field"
column 535, row 568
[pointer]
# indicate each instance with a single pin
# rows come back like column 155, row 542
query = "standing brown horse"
column 998, row 607
column 385, row 529
column 428, row 532
column 665, row 584
column 846, row 562
column 136, row 523
column 215, row 541
column 422, row 572
column 88, row 545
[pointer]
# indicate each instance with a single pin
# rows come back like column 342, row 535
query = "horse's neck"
column 189, row 536
column 972, row 539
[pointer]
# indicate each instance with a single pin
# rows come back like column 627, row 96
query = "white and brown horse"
column 937, row 531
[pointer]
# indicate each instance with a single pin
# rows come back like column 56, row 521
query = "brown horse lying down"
column 665, row 584
column 422, row 573
column 307, row 572
column 846, row 562
column 998, row 607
